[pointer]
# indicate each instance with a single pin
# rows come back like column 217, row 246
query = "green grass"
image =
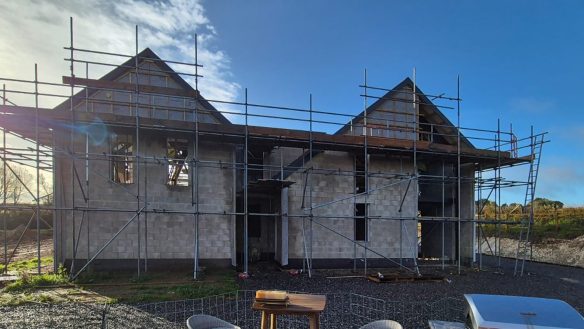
column 149, row 293
column 95, row 277
column 24, row 298
column 565, row 229
column 117, row 287
column 157, row 286
column 27, row 265
column 219, row 282
column 28, row 282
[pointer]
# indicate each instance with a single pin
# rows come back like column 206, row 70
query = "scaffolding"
column 406, row 135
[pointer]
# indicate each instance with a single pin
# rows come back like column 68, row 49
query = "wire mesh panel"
column 341, row 311
column 448, row 309
column 409, row 314
column 364, row 309
column 225, row 306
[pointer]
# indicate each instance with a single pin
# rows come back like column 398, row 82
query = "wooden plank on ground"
column 388, row 278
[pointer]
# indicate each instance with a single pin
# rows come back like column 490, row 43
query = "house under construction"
column 147, row 173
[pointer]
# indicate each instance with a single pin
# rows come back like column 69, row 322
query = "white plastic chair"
column 203, row 321
column 382, row 324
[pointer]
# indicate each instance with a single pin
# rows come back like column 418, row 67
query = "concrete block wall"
column 278, row 158
column 169, row 236
column 393, row 118
column 384, row 234
column 151, row 106
column 385, row 201
column 325, row 244
column 467, row 228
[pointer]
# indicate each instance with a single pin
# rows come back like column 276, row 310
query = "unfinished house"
column 149, row 174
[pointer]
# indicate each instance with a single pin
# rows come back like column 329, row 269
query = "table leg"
column 314, row 321
column 264, row 324
column 273, row 322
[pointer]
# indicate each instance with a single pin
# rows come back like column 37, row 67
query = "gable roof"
column 392, row 94
column 429, row 109
column 123, row 68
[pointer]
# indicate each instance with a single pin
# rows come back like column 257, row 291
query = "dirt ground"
column 28, row 249
column 556, row 251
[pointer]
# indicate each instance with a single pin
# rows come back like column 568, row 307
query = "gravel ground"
column 79, row 316
column 351, row 302
column 541, row 280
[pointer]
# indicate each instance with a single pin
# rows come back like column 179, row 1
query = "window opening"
column 360, row 222
column 359, row 174
column 122, row 164
column 178, row 168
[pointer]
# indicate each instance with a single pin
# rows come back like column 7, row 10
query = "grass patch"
column 52, row 296
column 565, row 229
column 96, row 277
column 158, row 286
column 28, row 282
column 116, row 287
column 28, row 264
column 221, row 283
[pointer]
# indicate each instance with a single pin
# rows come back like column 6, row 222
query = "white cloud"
column 532, row 105
column 36, row 32
column 562, row 181
column 569, row 132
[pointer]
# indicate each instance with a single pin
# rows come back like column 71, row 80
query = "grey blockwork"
column 384, row 201
column 216, row 194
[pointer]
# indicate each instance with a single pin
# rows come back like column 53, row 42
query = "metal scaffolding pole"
column 72, row 147
column 87, row 169
column 498, row 193
column 5, row 188
column 458, row 181
column 36, row 128
column 478, row 216
column 137, row 114
column 309, row 182
column 366, row 174
column 56, row 214
column 416, row 174
column 145, row 205
column 401, row 228
column 443, row 213
column 245, row 191
column 196, row 169
column 311, row 187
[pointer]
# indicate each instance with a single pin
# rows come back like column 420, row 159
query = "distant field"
column 550, row 220
column 566, row 229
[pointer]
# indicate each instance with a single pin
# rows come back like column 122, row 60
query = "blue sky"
column 519, row 61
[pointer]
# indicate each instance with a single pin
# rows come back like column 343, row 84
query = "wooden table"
column 299, row 304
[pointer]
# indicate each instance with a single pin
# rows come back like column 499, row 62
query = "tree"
column 46, row 188
column 14, row 189
column 547, row 203
column 487, row 207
